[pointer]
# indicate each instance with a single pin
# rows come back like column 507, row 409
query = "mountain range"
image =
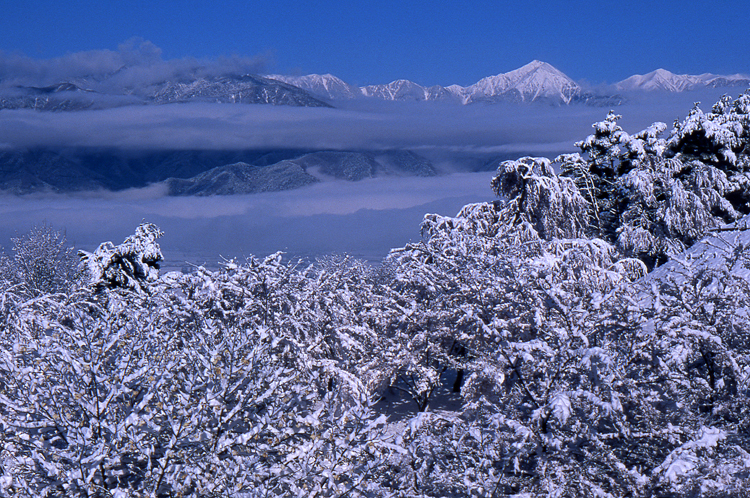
column 225, row 89
column 197, row 172
column 202, row 172
column 537, row 81
column 661, row 79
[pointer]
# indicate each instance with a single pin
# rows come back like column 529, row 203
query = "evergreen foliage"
column 654, row 197
column 129, row 265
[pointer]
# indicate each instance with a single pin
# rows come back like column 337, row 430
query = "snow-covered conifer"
column 130, row 265
column 551, row 205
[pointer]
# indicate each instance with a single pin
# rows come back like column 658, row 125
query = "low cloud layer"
column 365, row 218
column 477, row 128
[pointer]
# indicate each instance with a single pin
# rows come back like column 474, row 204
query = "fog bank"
column 365, row 218
column 361, row 125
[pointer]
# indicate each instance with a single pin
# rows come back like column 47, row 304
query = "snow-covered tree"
column 181, row 392
column 523, row 315
column 719, row 138
column 550, row 204
column 42, row 262
column 653, row 197
column 130, row 265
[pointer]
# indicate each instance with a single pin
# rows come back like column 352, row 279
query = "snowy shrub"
column 178, row 393
column 130, row 265
column 42, row 263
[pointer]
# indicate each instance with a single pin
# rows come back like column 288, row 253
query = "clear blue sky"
column 430, row 42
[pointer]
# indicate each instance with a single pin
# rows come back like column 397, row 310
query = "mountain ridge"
column 197, row 172
column 226, row 89
column 536, row 81
column 662, row 79
column 533, row 82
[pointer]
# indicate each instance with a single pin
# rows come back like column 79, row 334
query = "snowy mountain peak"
column 536, row 65
column 326, row 86
column 661, row 79
column 536, row 80
column 401, row 90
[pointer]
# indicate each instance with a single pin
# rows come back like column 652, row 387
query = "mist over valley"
column 363, row 175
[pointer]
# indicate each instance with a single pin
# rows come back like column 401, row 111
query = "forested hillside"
column 585, row 365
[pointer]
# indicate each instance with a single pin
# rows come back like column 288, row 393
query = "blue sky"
column 430, row 42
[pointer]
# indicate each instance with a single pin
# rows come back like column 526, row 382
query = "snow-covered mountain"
column 661, row 79
column 326, row 86
column 536, row 81
column 234, row 89
column 406, row 90
column 532, row 82
column 245, row 89
column 64, row 96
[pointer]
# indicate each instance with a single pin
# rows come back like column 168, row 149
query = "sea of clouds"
column 365, row 218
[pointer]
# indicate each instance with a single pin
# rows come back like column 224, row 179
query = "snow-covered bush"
column 130, row 265
column 182, row 392
column 42, row 263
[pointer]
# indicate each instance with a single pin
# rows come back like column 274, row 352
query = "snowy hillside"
column 245, row 89
column 327, row 86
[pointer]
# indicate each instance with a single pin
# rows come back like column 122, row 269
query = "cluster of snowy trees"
column 585, row 365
